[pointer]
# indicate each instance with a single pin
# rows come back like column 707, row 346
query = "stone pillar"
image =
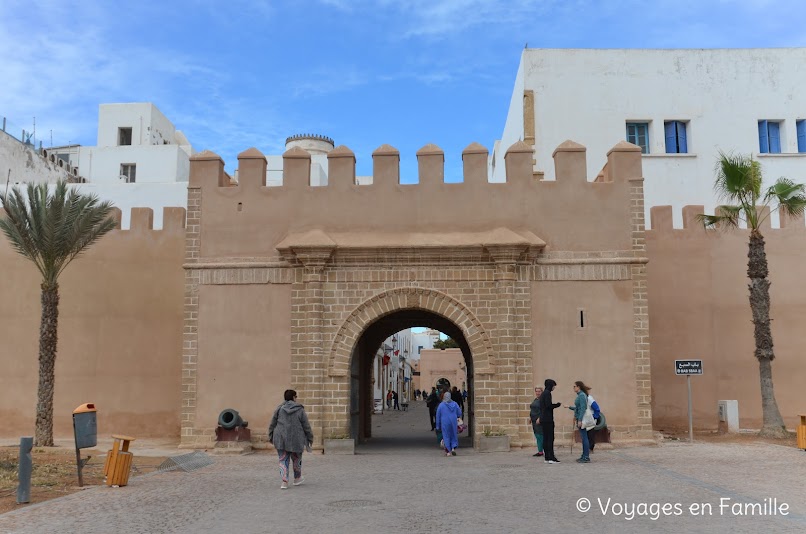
column 308, row 362
column 513, row 354
column 205, row 168
column 624, row 165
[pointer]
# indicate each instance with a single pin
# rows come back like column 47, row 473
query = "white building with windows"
column 136, row 144
column 681, row 106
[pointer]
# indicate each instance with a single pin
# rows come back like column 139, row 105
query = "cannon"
column 232, row 427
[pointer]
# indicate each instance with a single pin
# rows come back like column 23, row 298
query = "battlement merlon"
column 623, row 165
column 142, row 219
column 173, row 219
column 661, row 219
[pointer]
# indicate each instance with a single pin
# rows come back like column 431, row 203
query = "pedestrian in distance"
column 534, row 415
column 432, row 402
column 389, row 399
column 448, row 415
column 395, row 399
column 456, row 396
column 546, row 421
column 291, row 434
column 583, row 418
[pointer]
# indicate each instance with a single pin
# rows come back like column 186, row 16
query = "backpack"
column 594, row 407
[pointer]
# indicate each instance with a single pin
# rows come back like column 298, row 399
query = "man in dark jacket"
column 546, row 421
column 432, row 403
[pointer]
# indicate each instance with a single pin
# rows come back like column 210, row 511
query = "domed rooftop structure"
column 313, row 143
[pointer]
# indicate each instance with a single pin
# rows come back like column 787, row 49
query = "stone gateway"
column 296, row 286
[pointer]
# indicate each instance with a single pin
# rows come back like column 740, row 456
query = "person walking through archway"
column 448, row 415
column 432, row 402
column 395, row 400
column 546, row 421
column 290, row 433
column 456, row 396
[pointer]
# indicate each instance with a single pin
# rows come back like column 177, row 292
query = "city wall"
column 482, row 255
column 268, row 288
column 120, row 332
column 699, row 309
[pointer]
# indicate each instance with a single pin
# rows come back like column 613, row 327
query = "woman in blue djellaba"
column 448, row 414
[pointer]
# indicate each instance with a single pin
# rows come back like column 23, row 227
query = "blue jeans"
column 585, row 444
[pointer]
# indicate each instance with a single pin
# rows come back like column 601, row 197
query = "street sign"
column 688, row 367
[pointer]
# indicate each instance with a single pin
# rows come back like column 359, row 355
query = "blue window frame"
column 800, row 126
column 638, row 134
column 769, row 137
column 675, row 137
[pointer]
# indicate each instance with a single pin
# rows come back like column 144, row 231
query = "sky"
column 233, row 75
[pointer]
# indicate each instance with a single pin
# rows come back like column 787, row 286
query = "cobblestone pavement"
column 401, row 482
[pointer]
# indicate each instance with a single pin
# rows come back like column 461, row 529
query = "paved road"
column 413, row 487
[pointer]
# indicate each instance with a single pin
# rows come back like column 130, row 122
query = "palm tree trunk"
column 757, row 271
column 48, row 336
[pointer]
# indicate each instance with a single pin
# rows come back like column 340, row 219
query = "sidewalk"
column 401, row 482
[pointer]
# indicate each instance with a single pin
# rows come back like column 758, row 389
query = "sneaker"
column 448, row 454
column 555, row 460
column 284, row 485
column 453, row 452
column 298, row 481
column 583, row 460
column 552, row 462
column 538, row 454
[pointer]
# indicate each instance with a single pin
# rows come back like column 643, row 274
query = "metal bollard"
column 24, row 473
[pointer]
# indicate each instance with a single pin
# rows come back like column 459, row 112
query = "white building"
column 681, row 106
column 392, row 369
column 423, row 340
column 136, row 144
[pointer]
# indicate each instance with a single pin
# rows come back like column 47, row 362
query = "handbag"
column 461, row 426
column 588, row 421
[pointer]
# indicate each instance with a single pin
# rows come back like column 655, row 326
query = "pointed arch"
column 408, row 298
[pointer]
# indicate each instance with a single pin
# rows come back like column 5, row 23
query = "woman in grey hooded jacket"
column 290, row 433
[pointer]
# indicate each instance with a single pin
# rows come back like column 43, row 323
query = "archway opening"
column 381, row 364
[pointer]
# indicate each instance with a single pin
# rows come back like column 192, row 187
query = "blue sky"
column 235, row 74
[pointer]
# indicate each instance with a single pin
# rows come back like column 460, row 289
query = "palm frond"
column 724, row 217
column 738, row 179
column 53, row 228
column 789, row 196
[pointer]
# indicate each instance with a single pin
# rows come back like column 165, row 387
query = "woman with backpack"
column 583, row 418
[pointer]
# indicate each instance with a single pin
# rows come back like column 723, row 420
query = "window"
column 675, row 137
column 124, row 136
column 638, row 134
column 769, row 137
column 800, row 126
column 127, row 172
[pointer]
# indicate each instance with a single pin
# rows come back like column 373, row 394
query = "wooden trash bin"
column 118, row 461
column 802, row 432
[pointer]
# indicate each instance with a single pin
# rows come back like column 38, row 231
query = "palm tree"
column 51, row 230
column 739, row 184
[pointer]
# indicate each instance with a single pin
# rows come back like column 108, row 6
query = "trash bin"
column 85, row 426
column 118, row 461
column 85, row 431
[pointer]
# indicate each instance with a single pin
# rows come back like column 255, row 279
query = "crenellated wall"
column 120, row 332
column 550, row 209
column 699, row 309
column 500, row 261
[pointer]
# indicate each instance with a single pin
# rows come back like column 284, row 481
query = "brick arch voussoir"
column 397, row 299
